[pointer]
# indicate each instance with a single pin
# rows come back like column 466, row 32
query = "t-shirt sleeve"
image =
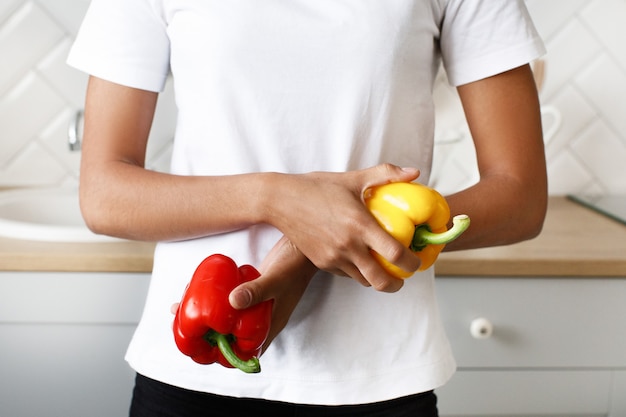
column 125, row 42
column 481, row 38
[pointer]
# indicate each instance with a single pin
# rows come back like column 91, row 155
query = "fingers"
column 393, row 251
column 174, row 308
column 351, row 254
column 379, row 240
column 364, row 268
column 372, row 275
column 384, row 282
column 352, row 272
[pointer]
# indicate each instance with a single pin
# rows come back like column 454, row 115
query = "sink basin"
column 45, row 214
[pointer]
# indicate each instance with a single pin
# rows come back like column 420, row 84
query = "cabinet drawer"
column 536, row 322
column 526, row 393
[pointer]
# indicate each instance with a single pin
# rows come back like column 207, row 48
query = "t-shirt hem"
column 375, row 387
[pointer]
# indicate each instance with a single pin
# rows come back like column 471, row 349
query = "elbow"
column 95, row 214
column 531, row 206
column 92, row 218
column 532, row 229
column 532, row 218
column 95, row 226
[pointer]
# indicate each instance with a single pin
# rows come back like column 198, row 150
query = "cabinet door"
column 62, row 342
column 70, row 370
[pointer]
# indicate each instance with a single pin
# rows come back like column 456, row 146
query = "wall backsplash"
column 584, row 86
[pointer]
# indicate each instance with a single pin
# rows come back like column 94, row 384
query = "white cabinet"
column 558, row 346
column 62, row 342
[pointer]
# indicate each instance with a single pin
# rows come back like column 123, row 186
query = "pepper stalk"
column 223, row 343
column 423, row 235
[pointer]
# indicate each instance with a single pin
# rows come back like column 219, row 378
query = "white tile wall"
column 40, row 95
column 585, row 81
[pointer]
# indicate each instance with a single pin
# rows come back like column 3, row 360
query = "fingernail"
column 240, row 299
column 410, row 170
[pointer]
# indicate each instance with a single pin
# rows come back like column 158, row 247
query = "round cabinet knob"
column 481, row 328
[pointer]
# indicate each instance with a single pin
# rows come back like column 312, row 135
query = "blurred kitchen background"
column 582, row 80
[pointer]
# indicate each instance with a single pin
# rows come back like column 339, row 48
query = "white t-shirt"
column 298, row 86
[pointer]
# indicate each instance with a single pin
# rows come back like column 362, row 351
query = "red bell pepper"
column 208, row 329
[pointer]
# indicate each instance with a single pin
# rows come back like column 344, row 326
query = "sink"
column 45, row 214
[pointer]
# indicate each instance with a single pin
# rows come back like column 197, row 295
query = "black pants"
column 155, row 399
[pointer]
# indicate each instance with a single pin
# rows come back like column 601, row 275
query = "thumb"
column 264, row 287
column 386, row 173
column 251, row 293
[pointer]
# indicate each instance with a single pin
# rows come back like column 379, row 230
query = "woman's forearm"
column 516, row 214
column 125, row 200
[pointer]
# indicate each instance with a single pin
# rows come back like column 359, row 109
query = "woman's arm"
column 322, row 214
column 509, row 202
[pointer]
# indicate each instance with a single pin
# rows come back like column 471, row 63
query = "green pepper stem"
column 251, row 366
column 423, row 236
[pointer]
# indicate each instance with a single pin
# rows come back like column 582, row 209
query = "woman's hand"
column 324, row 216
column 285, row 275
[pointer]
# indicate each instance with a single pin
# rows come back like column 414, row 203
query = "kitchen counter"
column 122, row 256
column 575, row 242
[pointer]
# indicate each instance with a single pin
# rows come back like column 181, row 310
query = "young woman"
column 288, row 112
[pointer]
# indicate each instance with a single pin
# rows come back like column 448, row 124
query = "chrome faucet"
column 73, row 136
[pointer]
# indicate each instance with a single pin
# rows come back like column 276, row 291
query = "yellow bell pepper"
column 417, row 216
